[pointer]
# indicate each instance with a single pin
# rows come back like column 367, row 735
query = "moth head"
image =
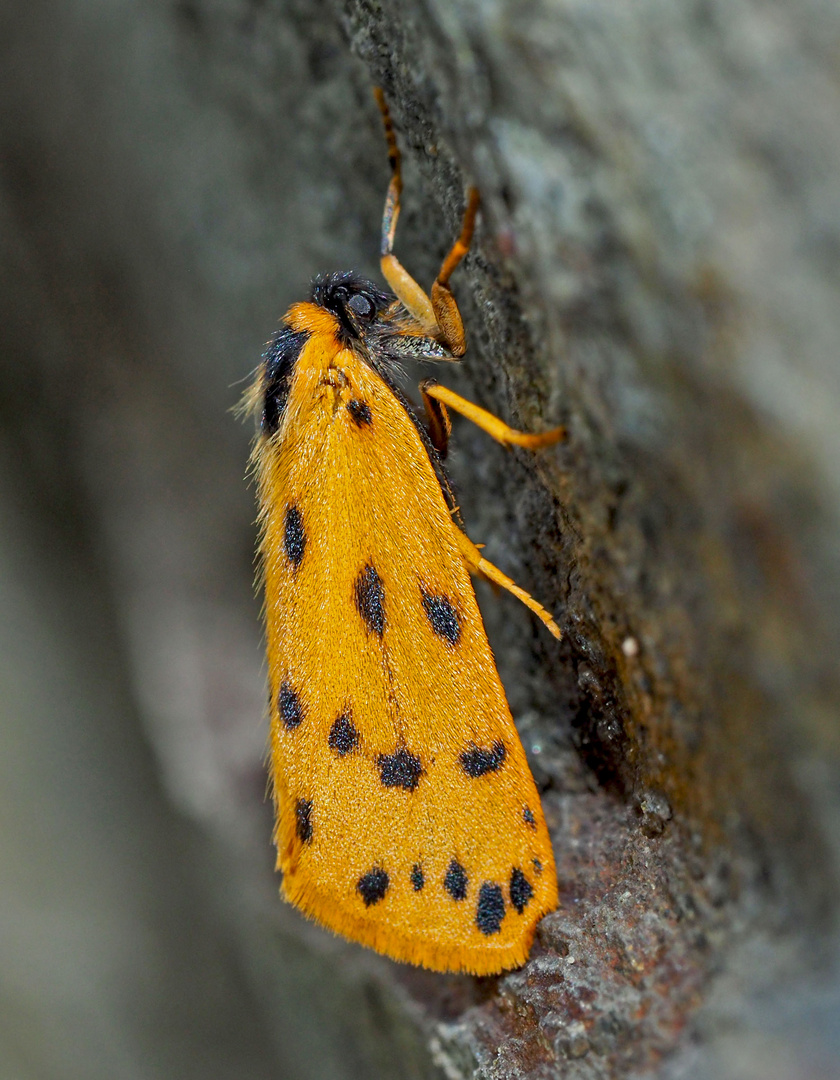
column 355, row 302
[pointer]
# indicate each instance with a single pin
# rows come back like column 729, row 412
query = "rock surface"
column 656, row 267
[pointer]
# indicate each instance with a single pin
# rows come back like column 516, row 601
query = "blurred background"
column 658, row 266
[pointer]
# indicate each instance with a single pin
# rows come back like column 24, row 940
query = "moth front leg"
column 446, row 312
column 438, row 317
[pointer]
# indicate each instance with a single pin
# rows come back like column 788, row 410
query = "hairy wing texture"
column 408, row 819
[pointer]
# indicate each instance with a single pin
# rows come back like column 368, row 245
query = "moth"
column 407, row 818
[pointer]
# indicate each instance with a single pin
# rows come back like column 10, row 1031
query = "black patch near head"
column 303, row 814
column 289, row 706
column 343, row 735
column 478, row 762
column 294, row 536
column 418, row 878
column 401, row 769
column 490, row 909
column 455, row 881
column 528, row 817
column 521, row 889
column 355, row 302
column 373, row 885
column 370, row 600
column 279, row 361
column 360, row 412
column 443, row 617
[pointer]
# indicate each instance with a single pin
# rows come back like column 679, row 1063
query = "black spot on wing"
column 289, row 706
column 401, row 769
column 521, row 889
column 343, row 735
column 418, row 878
column 490, row 909
column 373, row 885
column 279, row 361
column 303, row 823
column 443, row 617
column 455, row 881
column 537, row 866
column 360, row 413
column 479, row 762
column 294, row 536
column 370, row 600
column 528, row 817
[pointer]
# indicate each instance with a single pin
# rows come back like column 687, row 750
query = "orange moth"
column 407, row 816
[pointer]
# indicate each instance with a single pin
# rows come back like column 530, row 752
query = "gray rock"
column 656, row 267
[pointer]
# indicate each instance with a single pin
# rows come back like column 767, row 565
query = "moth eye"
column 362, row 306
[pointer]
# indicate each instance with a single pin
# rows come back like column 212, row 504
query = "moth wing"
column 408, row 818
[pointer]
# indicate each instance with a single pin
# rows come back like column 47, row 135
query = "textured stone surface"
column 657, row 267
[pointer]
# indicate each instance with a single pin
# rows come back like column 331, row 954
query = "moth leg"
column 438, row 423
column 406, row 288
column 479, row 565
column 446, row 312
column 439, row 317
column 437, row 397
